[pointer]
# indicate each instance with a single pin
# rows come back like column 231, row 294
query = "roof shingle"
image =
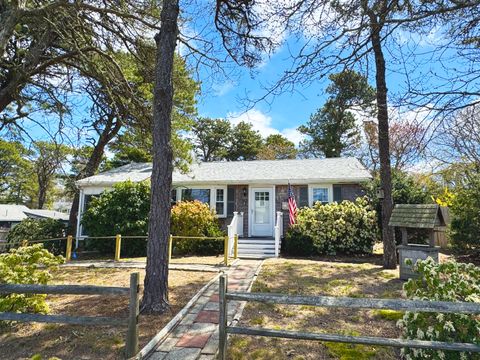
column 245, row 172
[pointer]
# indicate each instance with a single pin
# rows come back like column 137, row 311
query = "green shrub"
column 123, row 210
column 193, row 218
column 348, row 227
column 40, row 229
column 465, row 225
column 406, row 189
column 297, row 244
column 448, row 281
column 26, row 265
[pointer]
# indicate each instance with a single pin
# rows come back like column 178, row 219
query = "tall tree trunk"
column 110, row 131
column 155, row 296
column 388, row 236
column 42, row 193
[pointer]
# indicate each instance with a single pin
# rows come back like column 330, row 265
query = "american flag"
column 292, row 206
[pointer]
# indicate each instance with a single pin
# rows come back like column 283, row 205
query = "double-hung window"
column 220, row 202
column 202, row 195
column 320, row 193
column 215, row 197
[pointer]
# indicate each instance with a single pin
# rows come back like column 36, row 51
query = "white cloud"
column 220, row 89
column 263, row 124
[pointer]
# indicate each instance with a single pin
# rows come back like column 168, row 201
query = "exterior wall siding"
column 281, row 196
column 240, row 205
column 351, row 191
column 348, row 192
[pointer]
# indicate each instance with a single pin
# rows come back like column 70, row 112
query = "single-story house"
column 11, row 215
column 256, row 190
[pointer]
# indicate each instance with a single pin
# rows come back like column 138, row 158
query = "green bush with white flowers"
column 347, row 227
column 449, row 281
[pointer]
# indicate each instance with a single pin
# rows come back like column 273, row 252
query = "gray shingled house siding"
column 240, row 205
column 351, row 191
column 301, row 197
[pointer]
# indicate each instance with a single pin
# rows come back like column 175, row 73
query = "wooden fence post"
column 131, row 346
column 118, row 245
column 222, row 319
column 225, row 251
column 235, row 247
column 170, row 246
column 68, row 254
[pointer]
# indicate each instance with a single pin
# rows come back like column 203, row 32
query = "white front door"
column 261, row 211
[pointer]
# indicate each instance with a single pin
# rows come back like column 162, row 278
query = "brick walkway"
column 196, row 336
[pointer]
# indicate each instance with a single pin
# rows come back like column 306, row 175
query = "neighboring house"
column 258, row 189
column 11, row 215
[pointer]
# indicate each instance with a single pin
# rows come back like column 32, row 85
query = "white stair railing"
column 278, row 232
column 232, row 230
column 240, row 224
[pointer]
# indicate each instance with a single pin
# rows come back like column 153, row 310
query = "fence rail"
column 119, row 238
column 131, row 342
column 341, row 302
column 225, row 239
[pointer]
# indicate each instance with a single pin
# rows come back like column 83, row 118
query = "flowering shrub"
column 348, row 227
column 26, row 265
column 194, row 218
column 448, row 281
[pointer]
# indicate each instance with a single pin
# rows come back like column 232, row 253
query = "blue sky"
column 283, row 113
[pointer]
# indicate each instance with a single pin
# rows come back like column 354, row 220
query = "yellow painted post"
column 68, row 254
column 235, row 247
column 25, row 243
column 170, row 245
column 225, row 252
column 118, row 244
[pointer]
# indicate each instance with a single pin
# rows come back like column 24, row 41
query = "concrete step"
column 256, row 248
column 256, row 251
column 253, row 256
column 262, row 246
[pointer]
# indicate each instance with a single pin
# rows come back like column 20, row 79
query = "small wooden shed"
column 417, row 216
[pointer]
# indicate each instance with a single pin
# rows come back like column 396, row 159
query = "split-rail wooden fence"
column 131, row 342
column 341, row 302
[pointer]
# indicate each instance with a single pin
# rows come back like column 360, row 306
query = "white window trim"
column 329, row 187
column 213, row 196
column 81, row 208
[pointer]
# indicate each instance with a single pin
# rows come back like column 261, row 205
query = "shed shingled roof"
column 348, row 170
column 422, row 216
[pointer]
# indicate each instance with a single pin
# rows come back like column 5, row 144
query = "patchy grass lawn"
column 23, row 340
column 309, row 277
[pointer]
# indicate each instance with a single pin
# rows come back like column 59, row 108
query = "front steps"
column 256, row 248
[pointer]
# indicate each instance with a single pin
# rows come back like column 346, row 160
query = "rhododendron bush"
column 347, row 227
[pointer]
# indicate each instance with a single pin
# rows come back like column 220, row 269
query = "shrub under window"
column 348, row 227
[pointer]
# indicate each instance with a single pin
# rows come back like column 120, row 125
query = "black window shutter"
column 303, row 198
column 230, row 200
column 337, row 193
